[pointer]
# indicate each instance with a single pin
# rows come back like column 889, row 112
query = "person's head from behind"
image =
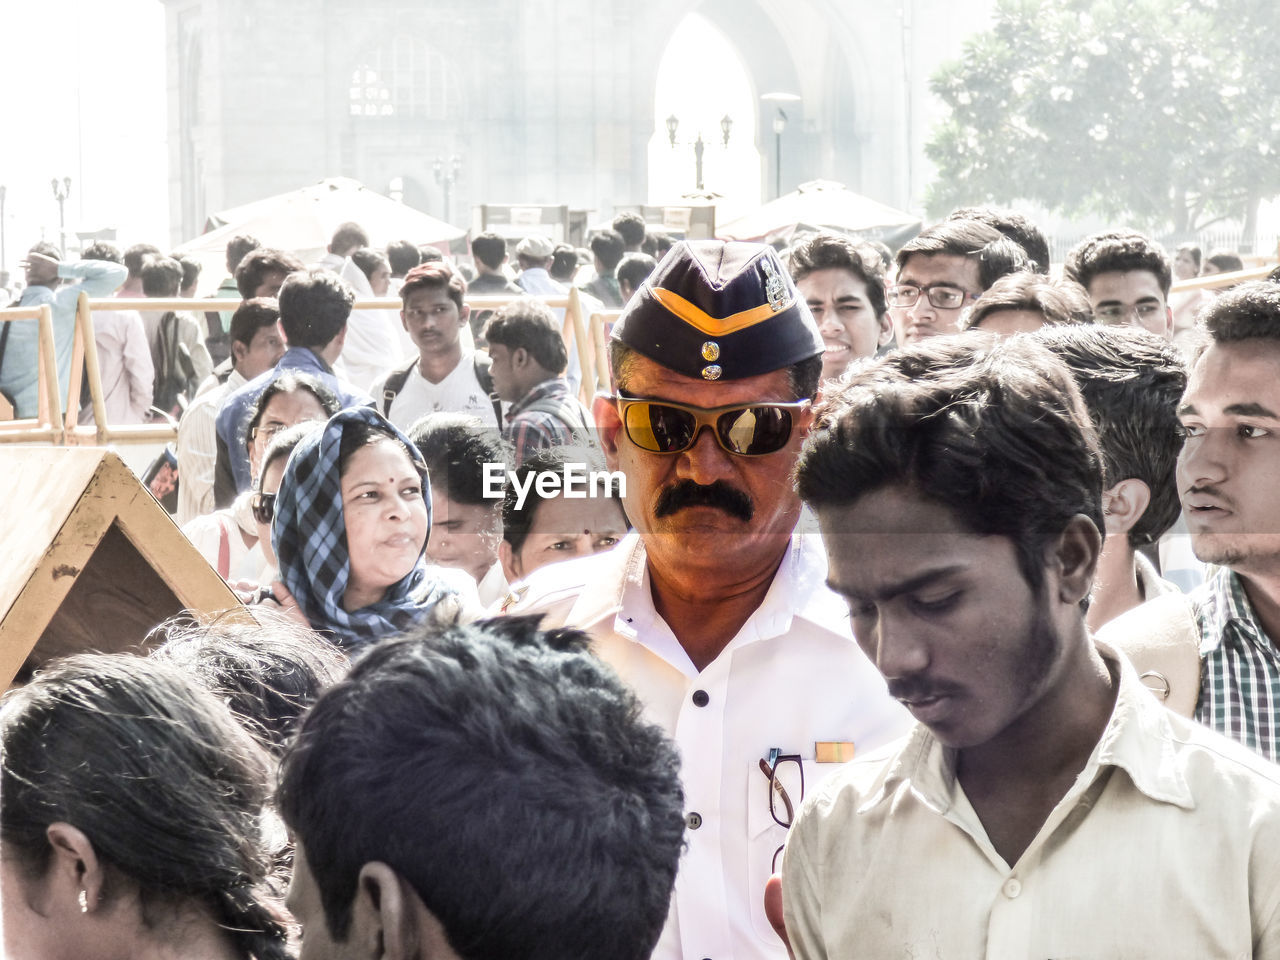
column 348, row 238
column 1014, row 226
column 262, row 271
column 429, row 253
column 1222, row 261
column 448, row 764
column 534, row 253
column 191, row 268
column 1131, row 382
column 375, row 267
column 102, row 250
column 42, row 270
column 403, row 256
column 564, row 263
column 314, row 308
column 268, row 673
column 1024, row 301
column 944, row 270
column 489, row 250
column 161, row 277
column 131, row 817
column 958, row 487
column 293, row 397
column 466, row 529
column 262, row 501
column 633, row 271
column 843, row 286
column 526, row 347
column 1186, row 261
column 1127, row 276
column 1229, row 468
column 608, row 249
column 238, row 247
column 542, row 526
column 631, row 227
column 256, row 341
column 136, row 257
column 434, row 311
column 350, row 525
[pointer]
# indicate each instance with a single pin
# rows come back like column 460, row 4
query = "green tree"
column 1164, row 115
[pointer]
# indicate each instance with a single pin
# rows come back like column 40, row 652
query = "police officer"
column 715, row 608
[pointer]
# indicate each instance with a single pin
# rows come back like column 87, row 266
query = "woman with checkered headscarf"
column 351, row 522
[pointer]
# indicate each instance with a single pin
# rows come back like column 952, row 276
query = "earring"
column 83, row 900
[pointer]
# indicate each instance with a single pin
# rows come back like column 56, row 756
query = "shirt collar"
column 553, row 387
column 1224, row 602
column 1137, row 739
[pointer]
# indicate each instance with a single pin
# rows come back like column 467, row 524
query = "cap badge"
column 774, row 287
column 711, row 372
column 711, row 350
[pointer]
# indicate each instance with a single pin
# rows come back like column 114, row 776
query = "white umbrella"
column 823, row 205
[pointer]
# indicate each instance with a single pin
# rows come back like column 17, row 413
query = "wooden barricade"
column 92, row 561
column 47, row 426
column 599, row 337
column 1217, row 280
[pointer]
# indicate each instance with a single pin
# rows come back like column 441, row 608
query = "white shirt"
column 459, row 392
column 376, row 341
column 124, row 363
column 197, row 449
column 1163, row 847
column 792, row 677
column 209, row 533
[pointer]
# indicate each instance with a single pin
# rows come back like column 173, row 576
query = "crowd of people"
column 907, row 597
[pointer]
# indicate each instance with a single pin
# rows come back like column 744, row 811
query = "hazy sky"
column 110, row 139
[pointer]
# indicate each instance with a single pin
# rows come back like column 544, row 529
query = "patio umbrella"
column 818, row 206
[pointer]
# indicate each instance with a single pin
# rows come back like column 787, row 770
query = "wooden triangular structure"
column 91, row 561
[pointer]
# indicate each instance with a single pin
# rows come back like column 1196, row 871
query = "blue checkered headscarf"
column 310, row 540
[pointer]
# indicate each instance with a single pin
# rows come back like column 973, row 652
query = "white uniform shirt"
column 792, row 677
column 459, row 392
column 1165, row 846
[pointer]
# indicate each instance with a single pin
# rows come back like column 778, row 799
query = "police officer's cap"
column 720, row 310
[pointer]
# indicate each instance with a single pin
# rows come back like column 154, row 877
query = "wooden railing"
column 46, row 426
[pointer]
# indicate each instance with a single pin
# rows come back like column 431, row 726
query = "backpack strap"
column 395, row 383
column 224, row 548
column 480, row 363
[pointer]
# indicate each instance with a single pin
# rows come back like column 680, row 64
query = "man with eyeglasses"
column 1127, row 277
column 714, row 610
column 942, row 272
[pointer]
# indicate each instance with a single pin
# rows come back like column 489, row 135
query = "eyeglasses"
column 943, row 296
column 748, row 430
column 786, row 790
column 1115, row 313
column 268, row 431
column 263, row 506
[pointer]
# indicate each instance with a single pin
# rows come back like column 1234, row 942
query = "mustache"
column 911, row 688
column 1209, row 490
column 686, row 493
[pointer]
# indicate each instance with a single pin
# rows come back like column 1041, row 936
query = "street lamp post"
column 4, row 274
column 779, row 124
column 446, row 176
column 699, row 145
column 60, row 193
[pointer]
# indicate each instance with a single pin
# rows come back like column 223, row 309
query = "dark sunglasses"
column 263, row 506
column 748, row 430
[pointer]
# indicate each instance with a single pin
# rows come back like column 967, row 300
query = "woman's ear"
column 75, row 866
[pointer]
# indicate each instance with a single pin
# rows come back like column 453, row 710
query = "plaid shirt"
column 548, row 415
column 1240, row 667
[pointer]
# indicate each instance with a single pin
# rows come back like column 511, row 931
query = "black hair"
column 161, row 277
column 635, row 269
column 1193, row 251
column 251, row 316
column 608, row 248
column 564, row 263
column 1117, row 251
column 456, row 446
column 429, row 253
column 314, row 307
column 135, row 257
column 348, row 236
column 1014, row 226
column 490, row 249
column 358, row 434
column 993, row 430
column 1226, row 261
column 258, row 263
column 283, row 444
column 1131, row 381
column 518, row 521
column 102, row 250
column 827, row 251
column 168, row 788
column 238, row 247
column 529, row 323
column 369, row 260
column 958, row 238
column 631, row 227
column 1058, row 301
column 44, row 248
column 403, row 256
column 190, row 269
column 1248, row 311
column 267, row 673
column 508, row 777
column 290, row 381
column 802, row 377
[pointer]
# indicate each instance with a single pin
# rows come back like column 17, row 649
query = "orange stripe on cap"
column 714, row 326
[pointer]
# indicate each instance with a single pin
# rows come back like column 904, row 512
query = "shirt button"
column 1012, row 887
column 700, row 698
column 694, row 820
